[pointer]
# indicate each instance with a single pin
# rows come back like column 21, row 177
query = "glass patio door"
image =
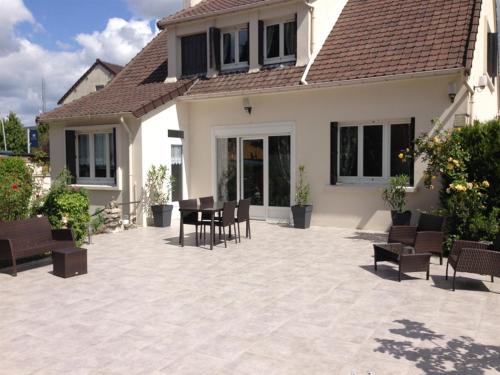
column 253, row 172
column 258, row 168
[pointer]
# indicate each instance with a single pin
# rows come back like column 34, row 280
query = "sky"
column 58, row 40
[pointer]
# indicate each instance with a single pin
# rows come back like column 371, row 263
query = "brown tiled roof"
column 243, row 81
column 389, row 37
column 113, row 68
column 137, row 89
column 209, row 7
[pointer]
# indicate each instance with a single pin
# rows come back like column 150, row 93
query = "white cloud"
column 154, row 9
column 23, row 63
column 13, row 12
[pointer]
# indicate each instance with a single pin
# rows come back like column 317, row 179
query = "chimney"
column 190, row 3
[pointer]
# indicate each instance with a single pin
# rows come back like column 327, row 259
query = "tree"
column 15, row 133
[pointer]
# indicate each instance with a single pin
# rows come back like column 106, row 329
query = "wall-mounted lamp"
column 247, row 106
column 481, row 83
column 452, row 91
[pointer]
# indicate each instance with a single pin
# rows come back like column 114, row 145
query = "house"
column 94, row 79
column 234, row 95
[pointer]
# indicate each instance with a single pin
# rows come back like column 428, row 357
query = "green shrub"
column 395, row 194
column 303, row 189
column 468, row 162
column 16, row 188
column 67, row 207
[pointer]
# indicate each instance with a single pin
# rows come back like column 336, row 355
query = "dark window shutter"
column 295, row 35
column 71, row 154
column 112, row 167
column 411, row 142
column 214, row 34
column 261, row 42
column 194, row 54
column 334, row 133
column 492, row 55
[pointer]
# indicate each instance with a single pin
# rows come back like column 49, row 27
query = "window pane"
column 279, row 171
column 290, row 38
column 176, row 168
column 372, row 150
column 273, row 41
column 253, row 170
column 83, row 155
column 100, row 155
column 400, row 141
column 243, row 45
column 228, row 48
column 349, row 151
column 226, row 169
column 112, row 152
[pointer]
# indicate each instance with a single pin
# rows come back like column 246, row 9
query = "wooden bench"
column 26, row 238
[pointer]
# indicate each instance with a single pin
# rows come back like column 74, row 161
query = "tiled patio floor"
column 286, row 302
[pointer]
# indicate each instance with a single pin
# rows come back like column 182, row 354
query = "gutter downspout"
column 312, row 47
column 471, row 91
column 130, row 167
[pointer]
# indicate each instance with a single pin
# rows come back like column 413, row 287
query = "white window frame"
column 92, row 180
column 281, row 58
column 235, row 31
column 386, row 151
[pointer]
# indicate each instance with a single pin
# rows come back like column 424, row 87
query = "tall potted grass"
column 158, row 191
column 395, row 196
column 302, row 211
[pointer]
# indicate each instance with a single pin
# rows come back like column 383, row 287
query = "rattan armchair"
column 473, row 257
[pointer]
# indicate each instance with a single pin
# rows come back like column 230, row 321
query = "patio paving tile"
column 286, row 302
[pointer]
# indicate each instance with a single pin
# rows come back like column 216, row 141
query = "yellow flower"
column 436, row 139
column 450, row 166
column 486, row 184
column 401, row 156
column 450, row 159
column 469, row 185
column 456, row 162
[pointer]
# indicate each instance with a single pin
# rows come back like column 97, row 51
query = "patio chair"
column 228, row 220
column 426, row 237
column 243, row 216
column 205, row 216
column 473, row 257
column 189, row 218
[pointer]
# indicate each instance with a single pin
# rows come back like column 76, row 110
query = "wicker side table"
column 406, row 260
column 69, row 262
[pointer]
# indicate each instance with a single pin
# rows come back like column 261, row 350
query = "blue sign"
column 33, row 134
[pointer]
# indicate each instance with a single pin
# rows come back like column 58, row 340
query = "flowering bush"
column 465, row 195
column 16, row 188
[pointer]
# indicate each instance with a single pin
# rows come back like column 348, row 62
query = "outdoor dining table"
column 217, row 207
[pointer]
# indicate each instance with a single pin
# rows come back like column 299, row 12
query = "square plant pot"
column 302, row 216
column 162, row 215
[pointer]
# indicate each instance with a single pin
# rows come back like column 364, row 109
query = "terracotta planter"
column 302, row 216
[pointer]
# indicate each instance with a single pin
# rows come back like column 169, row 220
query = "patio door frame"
column 257, row 131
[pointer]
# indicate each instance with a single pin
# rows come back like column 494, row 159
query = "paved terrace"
column 286, row 302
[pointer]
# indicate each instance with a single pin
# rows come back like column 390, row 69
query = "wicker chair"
column 426, row 237
column 228, row 220
column 243, row 216
column 205, row 216
column 189, row 218
column 473, row 257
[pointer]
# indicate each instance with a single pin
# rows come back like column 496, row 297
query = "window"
column 176, row 134
column 370, row 153
column 492, row 55
column 99, row 87
column 95, row 156
column 176, row 168
column 235, row 48
column 227, row 169
column 194, row 54
column 280, row 42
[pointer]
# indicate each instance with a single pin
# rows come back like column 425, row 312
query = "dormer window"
column 280, row 42
column 235, row 48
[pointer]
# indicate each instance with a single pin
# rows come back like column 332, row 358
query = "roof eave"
column 322, row 85
column 162, row 24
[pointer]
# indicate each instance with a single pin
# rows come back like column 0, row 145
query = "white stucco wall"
column 484, row 103
column 156, row 144
column 98, row 76
column 312, row 111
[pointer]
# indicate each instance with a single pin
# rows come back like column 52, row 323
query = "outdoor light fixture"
column 246, row 106
column 452, row 91
column 481, row 83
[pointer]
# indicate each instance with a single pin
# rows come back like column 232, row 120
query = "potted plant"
column 395, row 196
column 158, row 191
column 302, row 211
